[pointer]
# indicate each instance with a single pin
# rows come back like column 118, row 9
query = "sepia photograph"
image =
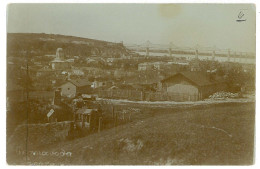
column 130, row 84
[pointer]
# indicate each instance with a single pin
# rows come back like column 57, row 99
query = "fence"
column 147, row 96
column 166, row 96
column 121, row 94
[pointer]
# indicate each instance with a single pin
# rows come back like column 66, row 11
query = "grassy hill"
column 43, row 44
column 220, row 134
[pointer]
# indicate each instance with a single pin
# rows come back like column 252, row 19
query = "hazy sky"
column 182, row 24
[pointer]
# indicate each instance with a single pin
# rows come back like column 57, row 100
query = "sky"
column 182, row 24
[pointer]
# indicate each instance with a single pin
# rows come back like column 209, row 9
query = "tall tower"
column 59, row 54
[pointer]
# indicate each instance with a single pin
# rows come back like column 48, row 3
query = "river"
column 217, row 58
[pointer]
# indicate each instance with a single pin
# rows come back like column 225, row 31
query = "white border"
column 3, row 66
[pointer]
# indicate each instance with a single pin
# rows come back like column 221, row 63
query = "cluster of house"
column 187, row 82
column 191, row 85
column 147, row 66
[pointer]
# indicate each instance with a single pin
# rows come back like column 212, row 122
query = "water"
column 217, row 58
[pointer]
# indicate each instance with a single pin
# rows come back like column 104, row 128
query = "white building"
column 59, row 63
column 77, row 72
column 145, row 66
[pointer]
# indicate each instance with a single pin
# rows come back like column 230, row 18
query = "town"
column 76, row 83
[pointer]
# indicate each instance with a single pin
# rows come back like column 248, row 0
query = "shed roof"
column 198, row 78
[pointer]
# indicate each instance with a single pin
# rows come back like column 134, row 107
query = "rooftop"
column 198, row 78
column 80, row 82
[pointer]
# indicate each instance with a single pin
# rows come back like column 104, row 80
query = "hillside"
column 43, row 44
column 218, row 134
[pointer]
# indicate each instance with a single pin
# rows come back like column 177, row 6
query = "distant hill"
column 46, row 44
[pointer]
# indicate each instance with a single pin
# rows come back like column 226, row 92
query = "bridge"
column 196, row 50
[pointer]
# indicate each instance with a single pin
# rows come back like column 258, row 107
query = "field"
column 216, row 134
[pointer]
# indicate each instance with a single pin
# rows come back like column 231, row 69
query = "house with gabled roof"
column 72, row 88
column 196, row 85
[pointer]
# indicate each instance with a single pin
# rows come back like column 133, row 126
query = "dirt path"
column 203, row 102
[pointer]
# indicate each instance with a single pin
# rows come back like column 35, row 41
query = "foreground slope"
column 216, row 134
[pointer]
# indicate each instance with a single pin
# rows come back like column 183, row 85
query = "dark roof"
column 80, row 82
column 197, row 78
